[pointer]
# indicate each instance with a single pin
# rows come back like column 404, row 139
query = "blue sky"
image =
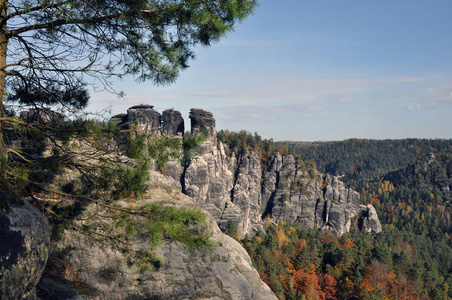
column 319, row 70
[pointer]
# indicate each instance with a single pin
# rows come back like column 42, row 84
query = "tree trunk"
column 3, row 52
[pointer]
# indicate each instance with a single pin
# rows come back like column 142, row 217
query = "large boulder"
column 24, row 249
column 369, row 219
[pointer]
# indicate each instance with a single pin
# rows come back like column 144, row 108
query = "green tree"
column 49, row 44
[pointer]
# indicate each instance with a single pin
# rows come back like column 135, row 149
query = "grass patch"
column 159, row 223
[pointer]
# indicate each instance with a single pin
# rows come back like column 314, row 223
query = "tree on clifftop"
column 49, row 48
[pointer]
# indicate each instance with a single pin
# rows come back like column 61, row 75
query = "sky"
column 318, row 71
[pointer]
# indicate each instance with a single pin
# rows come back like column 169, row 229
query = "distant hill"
column 359, row 159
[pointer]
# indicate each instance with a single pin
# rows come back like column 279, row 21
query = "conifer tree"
column 49, row 49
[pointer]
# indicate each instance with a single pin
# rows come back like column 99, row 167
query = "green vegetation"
column 410, row 259
column 360, row 160
column 190, row 144
column 161, row 149
column 106, row 165
column 97, row 41
column 118, row 227
column 243, row 142
column 110, row 163
column 157, row 223
column 309, row 264
column 410, row 189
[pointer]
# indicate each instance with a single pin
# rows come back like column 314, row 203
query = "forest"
column 408, row 182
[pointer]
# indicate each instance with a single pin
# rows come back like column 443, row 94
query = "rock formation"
column 224, row 273
column 202, row 121
column 145, row 118
column 172, row 123
column 119, row 119
column 24, row 248
column 242, row 190
column 232, row 189
column 323, row 202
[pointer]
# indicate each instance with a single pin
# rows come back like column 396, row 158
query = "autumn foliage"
column 309, row 264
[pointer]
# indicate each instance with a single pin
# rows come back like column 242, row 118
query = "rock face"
column 24, row 249
column 224, row 273
column 370, row 221
column 202, row 121
column 243, row 191
column 208, row 177
column 229, row 275
column 145, row 118
column 119, row 119
column 172, row 123
column 321, row 202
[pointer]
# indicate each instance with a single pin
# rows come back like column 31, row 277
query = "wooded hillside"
column 408, row 182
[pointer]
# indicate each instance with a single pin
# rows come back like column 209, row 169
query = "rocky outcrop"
column 24, row 249
column 225, row 272
column 119, row 119
column 202, row 121
column 244, row 191
column 321, row 202
column 172, row 123
column 238, row 189
column 208, row 177
column 369, row 219
column 145, row 118
column 245, row 197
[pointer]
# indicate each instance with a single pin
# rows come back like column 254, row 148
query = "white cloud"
column 300, row 88
column 414, row 107
column 270, row 90
column 209, row 93
column 308, row 88
column 440, row 93
column 281, row 102
column 280, row 113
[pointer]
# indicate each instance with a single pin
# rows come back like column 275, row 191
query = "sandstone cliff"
column 98, row 272
column 242, row 190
